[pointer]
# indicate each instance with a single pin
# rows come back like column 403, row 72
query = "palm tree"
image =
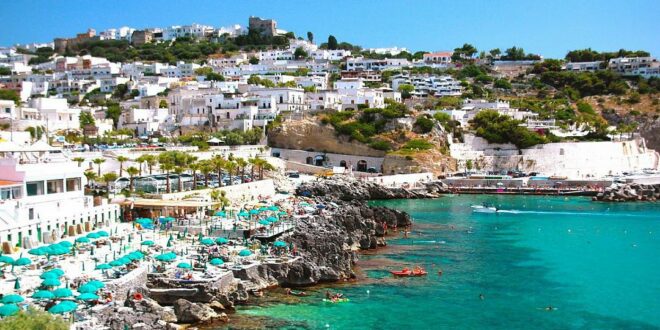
column 230, row 166
column 218, row 165
column 140, row 160
column 109, row 178
column 179, row 170
column 241, row 163
column 98, row 162
column 90, row 176
column 151, row 160
column 194, row 167
column 166, row 165
column 263, row 165
column 121, row 160
column 78, row 160
column 253, row 164
column 206, row 167
column 132, row 172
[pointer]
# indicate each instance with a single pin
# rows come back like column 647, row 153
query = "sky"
column 550, row 28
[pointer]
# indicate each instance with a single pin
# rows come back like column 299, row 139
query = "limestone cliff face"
column 308, row 134
column 429, row 161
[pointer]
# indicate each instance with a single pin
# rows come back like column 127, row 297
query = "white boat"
column 484, row 209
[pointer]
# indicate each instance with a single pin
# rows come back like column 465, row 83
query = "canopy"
column 12, row 299
column 103, row 233
column 148, row 243
column 243, row 214
column 216, row 262
column 51, row 282
column 96, row 283
column 48, row 275
column 66, row 244
column 8, row 310
column 245, row 253
column 103, row 266
column 220, row 214
column 6, row 259
column 62, row 293
column 264, row 222
column 221, row 240
column 57, row 271
column 271, row 219
column 166, row 257
column 43, row 294
column 254, row 212
column 87, row 296
column 184, row 265
column 40, row 251
column 64, row 307
column 88, row 288
column 22, row 262
column 93, row 235
column 207, row 241
column 214, row 140
column 279, row 244
column 82, row 240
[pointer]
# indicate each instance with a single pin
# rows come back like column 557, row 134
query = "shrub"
column 381, row 145
column 424, row 124
column 418, row 144
column 33, row 319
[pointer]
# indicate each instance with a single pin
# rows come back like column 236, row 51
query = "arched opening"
column 343, row 164
column 309, row 161
column 362, row 166
column 318, row 160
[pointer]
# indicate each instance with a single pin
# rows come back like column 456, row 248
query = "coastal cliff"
column 349, row 190
column 629, row 192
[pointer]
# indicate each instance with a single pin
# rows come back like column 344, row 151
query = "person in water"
column 550, row 308
column 481, row 296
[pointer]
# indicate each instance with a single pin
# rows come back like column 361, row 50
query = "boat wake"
column 568, row 213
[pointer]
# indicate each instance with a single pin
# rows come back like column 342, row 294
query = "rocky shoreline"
column 327, row 249
column 629, row 193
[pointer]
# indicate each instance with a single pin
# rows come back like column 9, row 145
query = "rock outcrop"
column 189, row 312
column 352, row 189
column 629, row 192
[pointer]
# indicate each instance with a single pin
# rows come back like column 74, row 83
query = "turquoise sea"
column 596, row 264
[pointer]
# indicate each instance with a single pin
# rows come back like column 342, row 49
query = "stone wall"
column 134, row 279
column 244, row 191
column 572, row 159
column 331, row 159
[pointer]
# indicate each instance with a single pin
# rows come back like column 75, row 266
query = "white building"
column 429, row 85
column 194, row 30
column 286, row 99
column 323, row 100
column 626, row 65
column 362, row 64
column 40, row 201
column 144, row 121
column 353, row 93
column 583, row 66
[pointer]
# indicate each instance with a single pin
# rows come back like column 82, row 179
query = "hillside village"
column 380, row 110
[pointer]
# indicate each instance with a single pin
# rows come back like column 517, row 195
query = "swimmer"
column 481, row 296
column 550, row 308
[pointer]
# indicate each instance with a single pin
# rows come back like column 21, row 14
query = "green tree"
column 495, row 52
column 8, row 94
column 241, row 164
column 300, row 53
column 424, row 124
column 86, row 119
column 332, row 42
column 162, row 104
column 406, row 90
column 310, row 36
column 113, row 112
column 33, row 319
column 121, row 160
column 98, row 162
column 78, row 160
column 502, row 83
column 253, row 60
column 132, row 171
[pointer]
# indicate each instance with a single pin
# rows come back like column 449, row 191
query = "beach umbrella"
column 220, row 214
column 12, row 299
column 17, row 284
column 243, row 214
column 93, row 235
column 135, row 256
column 184, row 265
column 87, row 296
column 48, row 275
column 57, row 271
column 63, row 307
column 116, row 263
column 273, row 208
column 82, row 240
column 245, row 253
column 22, row 262
column 279, row 244
column 62, row 293
column 40, row 251
column 103, row 233
column 165, row 257
column 282, row 213
column 254, row 212
column 43, row 294
column 216, row 262
column 221, row 240
column 264, row 222
column 88, row 288
column 147, row 243
column 6, row 259
column 8, row 310
column 124, row 260
column 103, row 266
column 96, row 283
column 207, row 241
column 65, row 244
column 271, row 219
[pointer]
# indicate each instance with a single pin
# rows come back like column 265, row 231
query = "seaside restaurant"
column 155, row 208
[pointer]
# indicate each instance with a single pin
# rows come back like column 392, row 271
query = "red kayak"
column 402, row 273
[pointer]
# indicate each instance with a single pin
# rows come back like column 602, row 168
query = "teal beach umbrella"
column 8, row 310
column 12, row 299
column 63, row 307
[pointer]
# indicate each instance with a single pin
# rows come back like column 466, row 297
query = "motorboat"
column 484, row 209
column 406, row 272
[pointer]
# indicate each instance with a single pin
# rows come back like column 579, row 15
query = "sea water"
column 596, row 264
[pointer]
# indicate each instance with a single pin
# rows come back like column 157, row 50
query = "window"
column 55, row 186
column 72, row 184
column 34, row 188
column 31, row 213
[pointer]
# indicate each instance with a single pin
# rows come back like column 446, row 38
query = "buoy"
column 137, row 296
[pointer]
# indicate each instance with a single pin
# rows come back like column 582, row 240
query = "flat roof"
column 167, row 203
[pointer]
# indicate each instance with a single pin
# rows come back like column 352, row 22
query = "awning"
column 169, row 203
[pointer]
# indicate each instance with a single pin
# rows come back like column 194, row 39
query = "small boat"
column 484, row 209
column 401, row 273
column 336, row 300
column 419, row 272
column 298, row 293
